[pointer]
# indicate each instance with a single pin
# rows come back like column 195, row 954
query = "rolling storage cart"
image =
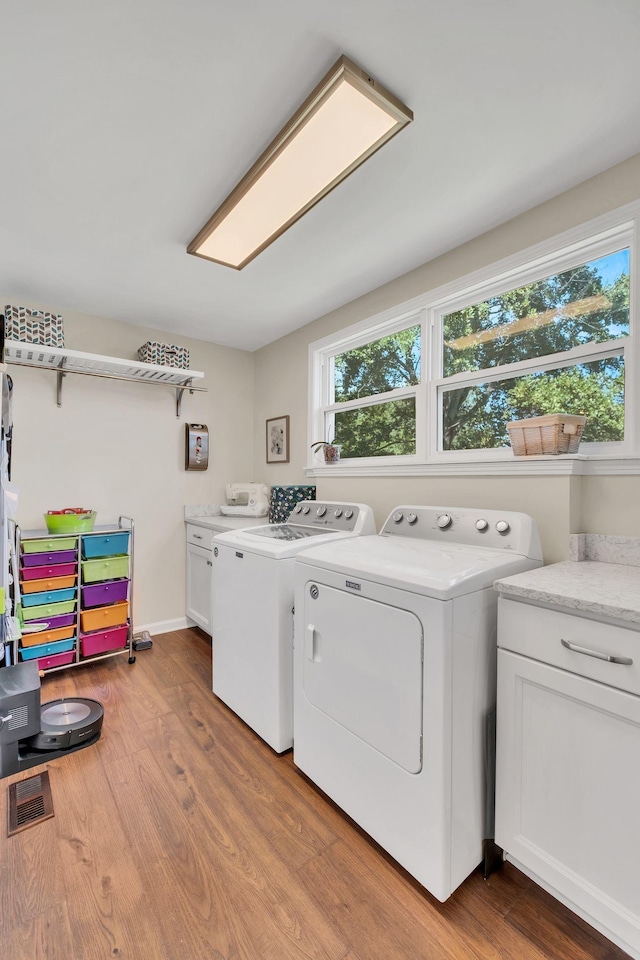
column 81, row 586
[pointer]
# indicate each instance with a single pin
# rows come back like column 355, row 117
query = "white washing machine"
column 253, row 577
column 394, row 678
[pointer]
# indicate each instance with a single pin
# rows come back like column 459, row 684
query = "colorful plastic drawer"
column 48, row 610
column 49, row 583
column 47, row 649
column 43, row 559
column 47, row 636
column 109, row 569
column 57, row 660
column 102, row 617
column 42, row 573
column 54, row 623
column 48, row 596
column 105, row 545
column 105, row 640
column 49, row 543
column 113, row 591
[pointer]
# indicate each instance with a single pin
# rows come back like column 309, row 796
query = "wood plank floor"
column 182, row 836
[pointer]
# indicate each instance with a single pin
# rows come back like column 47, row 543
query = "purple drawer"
column 44, row 559
column 64, row 620
column 45, row 573
column 100, row 594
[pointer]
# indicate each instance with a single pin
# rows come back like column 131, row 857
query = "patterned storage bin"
column 164, row 354
column 33, row 326
column 284, row 499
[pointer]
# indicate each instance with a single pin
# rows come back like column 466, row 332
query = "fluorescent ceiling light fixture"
column 345, row 120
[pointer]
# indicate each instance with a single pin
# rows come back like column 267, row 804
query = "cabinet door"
column 567, row 788
column 199, row 582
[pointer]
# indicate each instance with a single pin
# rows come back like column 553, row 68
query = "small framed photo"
column 278, row 440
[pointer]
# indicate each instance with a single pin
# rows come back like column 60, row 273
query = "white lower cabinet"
column 568, row 763
column 199, row 583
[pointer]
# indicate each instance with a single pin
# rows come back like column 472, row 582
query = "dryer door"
column 363, row 668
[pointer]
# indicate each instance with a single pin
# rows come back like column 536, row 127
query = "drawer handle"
column 626, row 661
column 196, row 536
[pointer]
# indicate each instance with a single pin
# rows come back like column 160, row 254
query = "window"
column 439, row 380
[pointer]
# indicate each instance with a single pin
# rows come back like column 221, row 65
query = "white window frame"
column 587, row 242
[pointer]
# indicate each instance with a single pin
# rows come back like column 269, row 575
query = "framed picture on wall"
column 278, row 440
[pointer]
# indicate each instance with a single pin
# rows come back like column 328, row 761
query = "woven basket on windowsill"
column 553, row 434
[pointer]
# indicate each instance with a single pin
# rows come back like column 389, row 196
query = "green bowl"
column 70, row 522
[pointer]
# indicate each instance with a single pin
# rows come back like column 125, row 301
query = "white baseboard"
column 164, row 626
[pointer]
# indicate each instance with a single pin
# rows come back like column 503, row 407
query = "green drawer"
column 45, row 610
column 110, row 568
column 49, row 544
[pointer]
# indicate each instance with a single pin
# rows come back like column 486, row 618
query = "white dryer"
column 253, row 578
column 394, row 678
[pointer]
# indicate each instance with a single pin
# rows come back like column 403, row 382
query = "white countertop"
column 220, row 523
column 591, row 588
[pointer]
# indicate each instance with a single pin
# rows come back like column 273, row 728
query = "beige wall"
column 560, row 504
column 118, row 448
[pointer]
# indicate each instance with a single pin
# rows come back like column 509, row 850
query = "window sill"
column 561, row 466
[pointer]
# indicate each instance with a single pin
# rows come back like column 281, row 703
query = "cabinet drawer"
column 199, row 536
column 44, row 559
column 47, row 584
column 46, row 610
column 95, row 643
column 48, row 596
column 100, row 594
column 57, row 660
column 47, row 636
column 101, row 617
column 107, row 545
column 110, row 569
column 47, row 545
column 48, row 649
column 539, row 633
column 47, row 572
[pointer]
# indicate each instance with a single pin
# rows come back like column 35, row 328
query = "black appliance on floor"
column 30, row 733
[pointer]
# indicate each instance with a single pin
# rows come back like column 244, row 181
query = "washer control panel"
column 500, row 529
column 356, row 517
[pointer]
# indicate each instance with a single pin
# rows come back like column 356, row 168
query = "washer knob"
column 397, row 517
column 338, row 512
column 482, row 524
column 502, row 526
column 306, row 509
column 320, row 512
column 412, row 518
column 298, row 507
column 348, row 514
column 444, row 521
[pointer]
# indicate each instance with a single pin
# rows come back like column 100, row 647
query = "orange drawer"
column 99, row 618
column 51, row 583
column 47, row 636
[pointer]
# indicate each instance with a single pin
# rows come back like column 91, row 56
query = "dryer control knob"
column 397, row 517
column 306, row 509
column 412, row 518
column 348, row 514
column 338, row 512
column 298, row 508
column 502, row 526
column 320, row 512
column 444, row 521
column 482, row 524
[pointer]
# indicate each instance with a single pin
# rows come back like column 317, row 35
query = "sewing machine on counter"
column 246, row 500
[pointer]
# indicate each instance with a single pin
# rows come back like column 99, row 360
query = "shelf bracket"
column 179, row 392
column 60, row 375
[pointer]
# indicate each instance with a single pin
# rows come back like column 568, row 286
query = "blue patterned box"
column 33, row 326
column 284, row 499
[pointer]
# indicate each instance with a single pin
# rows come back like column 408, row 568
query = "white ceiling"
column 125, row 124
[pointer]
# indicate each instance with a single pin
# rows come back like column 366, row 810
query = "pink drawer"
column 103, row 640
column 43, row 573
column 57, row 660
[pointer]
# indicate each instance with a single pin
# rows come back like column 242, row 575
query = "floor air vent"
column 30, row 802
